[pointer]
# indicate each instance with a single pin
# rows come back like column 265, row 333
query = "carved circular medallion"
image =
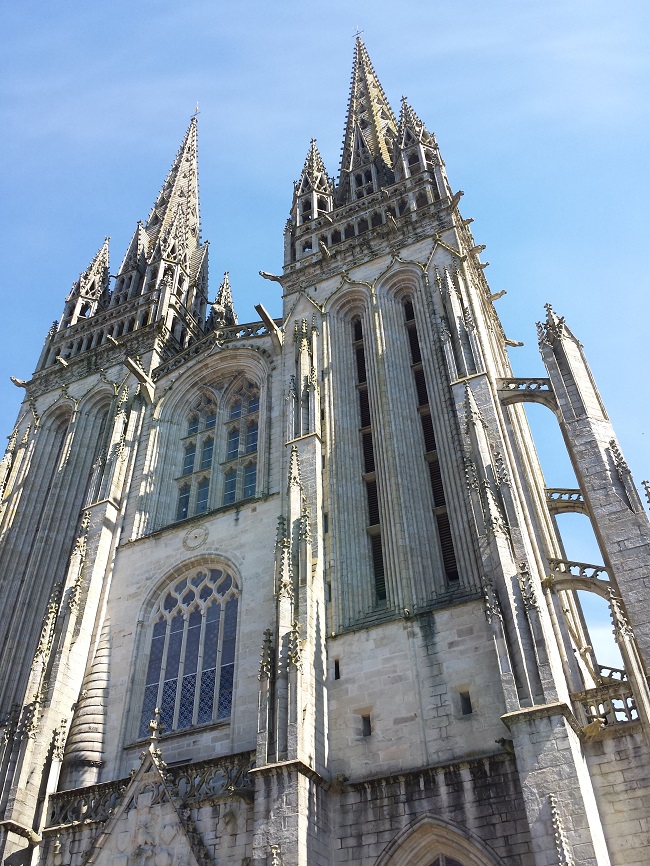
column 195, row 537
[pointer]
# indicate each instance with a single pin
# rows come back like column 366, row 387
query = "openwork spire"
column 173, row 223
column 93, row 283
column 370, row 127
column 411, row 129
column 314, row 175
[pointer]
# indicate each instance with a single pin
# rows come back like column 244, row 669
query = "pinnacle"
column 314, row 174
column 223, row 309
column 409, row 119
column 94, row 280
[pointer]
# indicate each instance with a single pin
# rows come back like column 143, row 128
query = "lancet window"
column 190, row 669
column 242, row 429
column 441, row 515
column 369, row 472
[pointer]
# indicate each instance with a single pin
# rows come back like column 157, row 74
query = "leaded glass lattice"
column 192, row 651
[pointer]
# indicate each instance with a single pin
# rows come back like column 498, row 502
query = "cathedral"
column 292, row 592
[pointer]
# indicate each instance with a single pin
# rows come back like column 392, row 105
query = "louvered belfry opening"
column 430, row 449
column 369, row 469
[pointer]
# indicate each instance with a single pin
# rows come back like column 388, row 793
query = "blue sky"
column 541, row 112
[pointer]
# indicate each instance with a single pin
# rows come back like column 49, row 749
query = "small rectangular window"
column 366, row 726
column 193, row 425
column 337, row 670
column 465, row 704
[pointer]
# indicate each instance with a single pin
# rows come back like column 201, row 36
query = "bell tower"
column 292, row 592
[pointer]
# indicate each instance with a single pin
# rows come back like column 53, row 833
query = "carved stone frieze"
column 191, row 785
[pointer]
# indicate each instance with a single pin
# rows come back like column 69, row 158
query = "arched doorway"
column 431, row 841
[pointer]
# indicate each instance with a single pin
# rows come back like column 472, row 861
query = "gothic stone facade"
column 292, row 592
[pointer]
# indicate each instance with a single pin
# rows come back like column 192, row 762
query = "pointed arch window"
column 197, row 458
column 215, row 468
column 190, row 670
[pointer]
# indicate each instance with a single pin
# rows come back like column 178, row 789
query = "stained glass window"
column 190, row 672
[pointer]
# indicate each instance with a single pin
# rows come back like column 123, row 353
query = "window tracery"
column 219, row 469
column 190, row 671
column 242, row 425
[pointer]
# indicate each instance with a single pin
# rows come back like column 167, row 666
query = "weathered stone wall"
column 620, row 770
column 480, row 798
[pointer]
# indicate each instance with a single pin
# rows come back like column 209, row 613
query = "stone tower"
column 292, row 593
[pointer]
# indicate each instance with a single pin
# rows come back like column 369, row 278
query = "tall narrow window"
column 229, row 487
column 370, row 475
column 233, row 444
column 206, row 453
column 430, row 451
column 190, row 671
column 188, row 459
column 251, row 437
column 202, row 496
column 183, row 508
column 250, row 477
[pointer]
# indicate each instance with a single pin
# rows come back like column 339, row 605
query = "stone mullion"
column 351, row 584
column 446, row 425
column 410, row 487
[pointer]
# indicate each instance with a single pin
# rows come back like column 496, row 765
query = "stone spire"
column 90, row 290
column 314, row 175
column 173, row 226
column 370, row 129
column 313, row 193
column 416, row 150
column 222, row 312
